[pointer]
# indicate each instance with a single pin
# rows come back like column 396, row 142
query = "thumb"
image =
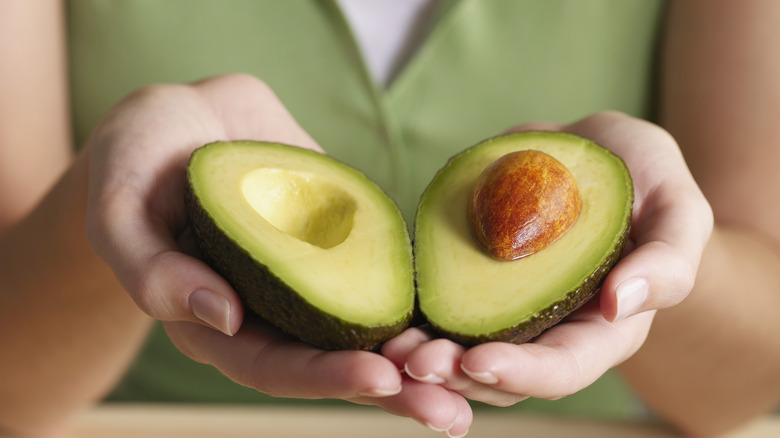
column 164, row 282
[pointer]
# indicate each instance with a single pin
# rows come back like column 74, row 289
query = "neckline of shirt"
column 388, row 32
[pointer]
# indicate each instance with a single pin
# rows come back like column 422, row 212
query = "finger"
column 164, row 282
column 670, row 231
column 655, row 275
column 672, row 220
column 439, row 362
column 460, row 427
column 431, row 405
column 261, row 357
column 133, row 219
column 398, row 348
column 564, row 360
column 398, row 351
column 136, row 207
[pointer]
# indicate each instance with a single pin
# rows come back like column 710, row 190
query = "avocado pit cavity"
column 521, row 203
column 301, row 205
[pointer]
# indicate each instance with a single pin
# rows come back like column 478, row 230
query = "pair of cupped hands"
column 137, row 223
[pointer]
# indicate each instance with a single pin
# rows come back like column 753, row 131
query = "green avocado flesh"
column 473, row 298
column 309, row 243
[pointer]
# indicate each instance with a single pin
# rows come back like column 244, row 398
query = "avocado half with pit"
column 473, row 293
column 309, row 243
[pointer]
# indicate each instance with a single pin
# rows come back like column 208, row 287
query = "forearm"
column 35, row 146
column 711, row 362
column 67, row 329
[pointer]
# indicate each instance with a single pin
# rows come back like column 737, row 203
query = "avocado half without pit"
column 309, row 243
column 517, row 232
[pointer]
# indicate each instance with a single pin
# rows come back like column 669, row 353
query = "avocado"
column 472, row 296
column 309, row 243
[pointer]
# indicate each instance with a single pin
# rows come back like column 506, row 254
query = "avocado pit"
column 521, row 203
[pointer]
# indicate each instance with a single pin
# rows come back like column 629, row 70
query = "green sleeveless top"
column 484, row 67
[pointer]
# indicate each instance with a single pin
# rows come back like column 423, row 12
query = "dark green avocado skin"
column 550, row 316
column 269, row 297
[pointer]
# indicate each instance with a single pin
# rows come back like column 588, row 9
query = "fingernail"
column 428, row 378
column 212, row 309
column 457, row 436
column 379, row 392
column 631, row 294
column 435, row 429
column 485, row 377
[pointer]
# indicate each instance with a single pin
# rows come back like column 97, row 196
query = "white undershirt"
column 387, row 32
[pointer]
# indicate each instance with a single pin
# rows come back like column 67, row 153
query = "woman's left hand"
column 671, row 225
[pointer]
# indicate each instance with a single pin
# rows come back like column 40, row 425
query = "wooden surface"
column 176, row 421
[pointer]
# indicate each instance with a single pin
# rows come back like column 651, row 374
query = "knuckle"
column 685, row 278
column 146, row 290
column 611, row 115
column 142, row 293
column 570, row 381
column 256, row 376
column 152, row 92
column 443, row 344
column 708, row 216
column 94, row 229
column 687, row 283
column 99, row 226
column 245, row 81
column 674, row 276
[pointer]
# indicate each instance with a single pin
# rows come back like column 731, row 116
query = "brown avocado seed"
column 521, row 203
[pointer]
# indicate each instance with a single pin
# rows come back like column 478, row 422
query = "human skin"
column 710, row 362
column 717, row 105
column 671, row 224
column 130, row 202
column 137, row 222
column 31, row 92
column 67, row 329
